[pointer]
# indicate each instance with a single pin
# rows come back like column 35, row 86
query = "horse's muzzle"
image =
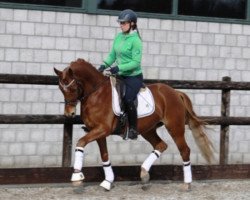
column 70, row 111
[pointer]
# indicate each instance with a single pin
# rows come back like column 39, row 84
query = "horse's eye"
column 62, row 80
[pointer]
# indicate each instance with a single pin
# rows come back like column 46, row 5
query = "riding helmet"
column 127, row 16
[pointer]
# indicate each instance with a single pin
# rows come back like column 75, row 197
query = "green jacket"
column 127, row 53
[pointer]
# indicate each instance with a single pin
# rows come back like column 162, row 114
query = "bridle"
column 80, row 94
column 66, row 86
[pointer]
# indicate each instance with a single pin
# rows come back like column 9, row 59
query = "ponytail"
column 134, row 27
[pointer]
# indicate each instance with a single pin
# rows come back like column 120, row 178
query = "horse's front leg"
column 95, row 134
column 107, row 168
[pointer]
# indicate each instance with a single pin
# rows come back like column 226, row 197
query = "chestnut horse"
column 81, row 82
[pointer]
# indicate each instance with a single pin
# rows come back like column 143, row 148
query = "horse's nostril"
column 73, row 114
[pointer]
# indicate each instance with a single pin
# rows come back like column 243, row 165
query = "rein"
column 94, row 89
column 80, row 95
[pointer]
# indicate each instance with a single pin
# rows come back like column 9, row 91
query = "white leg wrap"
column 106, row 185
column 78, row 158
column 78, row 176
column 108, row 171
column 151, row 159
column 109, row 175
column 187, row 172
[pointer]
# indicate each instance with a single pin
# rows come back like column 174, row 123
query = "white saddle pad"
column 146, row 104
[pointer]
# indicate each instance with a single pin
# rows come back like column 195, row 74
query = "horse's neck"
column 91, row 81
column 89, row 77
column 90, row 86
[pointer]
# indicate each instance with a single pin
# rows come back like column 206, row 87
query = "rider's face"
column 125, row 26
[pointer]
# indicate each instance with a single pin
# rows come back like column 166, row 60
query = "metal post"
column 175, row 8
column 248, row 11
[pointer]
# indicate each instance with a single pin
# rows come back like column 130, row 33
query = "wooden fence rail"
column 61, row 119
column 179, row 84
column 226, row 85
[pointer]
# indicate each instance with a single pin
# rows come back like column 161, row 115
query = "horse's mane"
column 82, row 62
column 84, row 69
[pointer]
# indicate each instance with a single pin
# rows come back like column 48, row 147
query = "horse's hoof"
column 106, row 185
column 77, row 176
column 77, row 183
column 77, row 179
column 144, row 176
column 146, row 186
column 186, row 187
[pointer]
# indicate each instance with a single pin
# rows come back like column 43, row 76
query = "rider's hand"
column 101, row 68
column 114, row 70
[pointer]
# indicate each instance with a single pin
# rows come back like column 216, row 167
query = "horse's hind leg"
column 177, row 131
column 107, row 168
column 159, row 146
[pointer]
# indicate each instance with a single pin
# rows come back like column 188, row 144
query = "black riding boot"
column 132, row 120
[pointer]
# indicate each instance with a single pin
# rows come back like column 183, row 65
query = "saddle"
column 144, row 103
column 122, row 125
column 121, row 90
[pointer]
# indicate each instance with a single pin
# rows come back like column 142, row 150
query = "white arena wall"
column 33, row 42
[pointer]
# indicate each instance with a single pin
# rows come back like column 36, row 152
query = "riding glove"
column 101, row 68
column 114, row 70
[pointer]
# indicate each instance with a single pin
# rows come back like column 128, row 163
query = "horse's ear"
column 58, row 72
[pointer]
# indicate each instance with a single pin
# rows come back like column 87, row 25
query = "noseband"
column 79, row 92
column 65, row 87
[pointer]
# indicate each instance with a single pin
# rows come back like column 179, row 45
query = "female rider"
column 126, row 52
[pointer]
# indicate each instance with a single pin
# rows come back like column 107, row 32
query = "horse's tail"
column 197, row 127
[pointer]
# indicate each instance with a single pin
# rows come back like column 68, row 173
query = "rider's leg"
column 133, row 85
column 132, row 119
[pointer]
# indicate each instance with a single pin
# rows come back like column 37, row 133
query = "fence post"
column 67, row 144
column 224, row 129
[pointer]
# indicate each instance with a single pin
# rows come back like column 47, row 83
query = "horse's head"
column 78, row 81
column 70, row 89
